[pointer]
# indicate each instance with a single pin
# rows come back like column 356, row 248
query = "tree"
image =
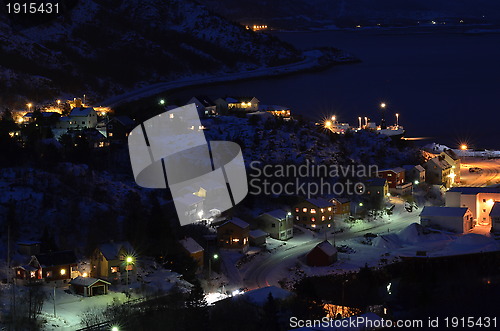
column 270, row 318
column 197, row 309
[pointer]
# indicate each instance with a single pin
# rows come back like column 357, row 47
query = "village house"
column 112, row 261
column 495, row 218
column 52, row 266
column 118, row 128
column 277, row 111
column 394, row 177
column 438, row 172
column 322, row 255
column 452, row 158
column 233, row 234
column 341, row 208
column 414, row 173
column 83, row 118
column 316, row 214
column 194, row 250
column 480, row 201
column 237, row 104
column 376, row 192
column 88, row 286
column 456, row 219
column 204, row 105
column 278, row 223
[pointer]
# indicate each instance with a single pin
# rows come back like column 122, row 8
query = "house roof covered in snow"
column 409, row 167
column 475, row 190
column 191, row 245
column 260, row 296
column 112, row 250
column 257, row 233
column 443, row 211
column 238, row 222
column 56, row 258
column 376, row 182
column 451, row 154
column 396, row 170
column 440, row 162
column 327, row 248
column 81, row 111
column 204, row 100
column 319, row 202
column 495, row 211
column 277, row 213
column 240, row 99
column 86, row 281
column 124, row 120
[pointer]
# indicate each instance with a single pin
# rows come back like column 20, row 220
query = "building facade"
column 278, row 223
column 315, row 214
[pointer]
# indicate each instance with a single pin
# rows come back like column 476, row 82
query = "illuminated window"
column 323, row 218
column 114, row 269
column 235, row 240
column 63, row 272
column 32, row 274
column 110, row 134
column 322, row 210
column 297, row 210
column 329, row 225
column 313, row 211
column 130, row 267
column 313, row 219
column 297, row 218
column 48, row 274
column 313, row 225
column 329, row 208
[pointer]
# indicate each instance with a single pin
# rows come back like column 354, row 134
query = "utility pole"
column 55, row 299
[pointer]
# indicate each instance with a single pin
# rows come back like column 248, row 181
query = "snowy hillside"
column 103, row 47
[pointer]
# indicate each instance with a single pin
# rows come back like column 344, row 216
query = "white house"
column 278, row 223
column 79, row 118
column 204, row 105
column 495, row 217
column 479, row 200
column 456, row 219
column 244, row 104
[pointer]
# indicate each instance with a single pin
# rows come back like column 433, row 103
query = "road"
column 489, row 176
column 260, row 274
column 310, row 61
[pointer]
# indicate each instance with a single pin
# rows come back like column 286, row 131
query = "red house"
column 322, row 255
column 49, row 266
column 395, row 176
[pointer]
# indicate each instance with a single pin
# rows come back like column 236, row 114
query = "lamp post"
column 215, row 257
column 128, row 261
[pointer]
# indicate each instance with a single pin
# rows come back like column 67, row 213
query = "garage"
column 89, row 287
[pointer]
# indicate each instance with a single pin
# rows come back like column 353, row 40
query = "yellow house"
column 114, row 261
column 193, row 249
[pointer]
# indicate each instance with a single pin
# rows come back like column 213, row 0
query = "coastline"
column 314, row 60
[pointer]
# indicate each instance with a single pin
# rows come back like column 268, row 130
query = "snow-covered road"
column 260, row 273
column 489, row 176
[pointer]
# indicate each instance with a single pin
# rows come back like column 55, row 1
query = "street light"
column 162, row 102
column 29, row 106
column 383, row 105
column 128, row 261
column 397, row 119
column 215, row 257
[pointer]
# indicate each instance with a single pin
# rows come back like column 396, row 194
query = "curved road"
column 259, row 273
column 310, row 61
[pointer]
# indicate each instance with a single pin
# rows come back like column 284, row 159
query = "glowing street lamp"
column 383, row 105
column 162, row 102
column 334, row 119
column 397, row 119
column 464, row 147
column 128, row 261
column 29, row 106
column 328, row 124
column 115, row 328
